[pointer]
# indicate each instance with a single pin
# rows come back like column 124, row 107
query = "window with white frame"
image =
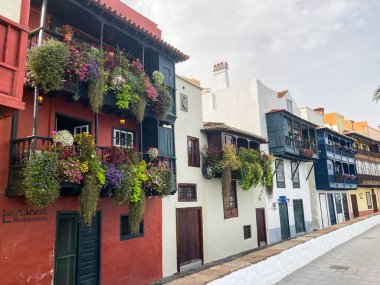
column 81, row 129
column 122, row 138
column 295, row 174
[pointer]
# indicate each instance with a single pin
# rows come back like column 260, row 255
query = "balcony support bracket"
column 295, row 170
column 308, row 175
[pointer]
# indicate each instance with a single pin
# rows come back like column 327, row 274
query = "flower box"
column 70, row 189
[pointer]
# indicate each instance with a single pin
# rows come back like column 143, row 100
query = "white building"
column 199, row 226
column 249, row 106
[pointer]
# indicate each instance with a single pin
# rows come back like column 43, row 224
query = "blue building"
column 335, row 174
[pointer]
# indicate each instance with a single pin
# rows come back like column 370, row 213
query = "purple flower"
column 114, row 177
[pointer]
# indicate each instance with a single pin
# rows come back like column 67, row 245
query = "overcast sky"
column 325, row 52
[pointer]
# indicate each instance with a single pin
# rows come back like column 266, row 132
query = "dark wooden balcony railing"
column 338, row 150
column 298, row 145
column 23, row 149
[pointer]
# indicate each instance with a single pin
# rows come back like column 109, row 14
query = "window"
column 289, row 106
column 81, row 129
column 125, row 232
column 122, row 138
column 230, row 202
column 369, row 201
column 280, row 173
column 193, row 156
column 338, row 204
column 187, row 193
column 295, row 174
column 247, row 231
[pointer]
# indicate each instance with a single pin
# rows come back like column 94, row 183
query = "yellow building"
column 365, row 199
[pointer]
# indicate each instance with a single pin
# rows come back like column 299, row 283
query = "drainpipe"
column 36, row 90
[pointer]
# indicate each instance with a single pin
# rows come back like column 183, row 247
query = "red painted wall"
column 27, row 248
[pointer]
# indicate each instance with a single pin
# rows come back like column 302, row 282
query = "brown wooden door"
column 374, row 202
column 261, row 228
column 189, row 235
column 354, row 203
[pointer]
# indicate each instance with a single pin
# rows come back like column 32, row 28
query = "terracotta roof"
column 281, row 94
column 275, row 110
column 222, row 127
column 190, row 81
column 181, row 56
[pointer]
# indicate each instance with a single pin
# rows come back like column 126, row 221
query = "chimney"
column 320, row 110
column 221, row 80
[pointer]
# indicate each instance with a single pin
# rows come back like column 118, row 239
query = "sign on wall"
column 23, row 216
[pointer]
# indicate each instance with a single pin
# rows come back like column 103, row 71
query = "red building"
column 52, row 245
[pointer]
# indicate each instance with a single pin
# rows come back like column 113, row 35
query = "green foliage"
column 136, row 214
column 158, row 77
column 230, row 158
column 125, row 97
column 89, row 197
column 42, row 179
column 47, row 64
column 251, row 173
column 138, row 109
column 267, row 178
column 163, row 103
column 139, row 178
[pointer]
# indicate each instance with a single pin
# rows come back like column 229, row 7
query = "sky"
column 325, row 52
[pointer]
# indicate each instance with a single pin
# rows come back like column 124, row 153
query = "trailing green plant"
column 211, row 161
column 163, row 103
column 136, row 214
column 97, row 90
column 139, row 178
column 47, row 65
column 267, row 178
column 42, row 180
column 89, row 197
column 251, row 172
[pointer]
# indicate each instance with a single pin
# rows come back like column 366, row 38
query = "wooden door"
column 261, row 227
column 284, row 220
column 330, row 200
column 88, row 252
column 299, row 218
column 345, row 207
column 189, row 236
column 374, row 202
column 77, row 251
column 354, row 203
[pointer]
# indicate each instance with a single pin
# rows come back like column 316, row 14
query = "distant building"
column 255, row 108
column 365, row 199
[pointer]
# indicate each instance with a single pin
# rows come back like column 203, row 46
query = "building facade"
column 365, row 199
column 209, row 225
column 288, row 210
column 53, row 245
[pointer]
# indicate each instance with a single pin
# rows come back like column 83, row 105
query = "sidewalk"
column 206, row 275
column 355, row 262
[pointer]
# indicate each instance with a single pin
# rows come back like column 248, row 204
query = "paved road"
column 357, row 262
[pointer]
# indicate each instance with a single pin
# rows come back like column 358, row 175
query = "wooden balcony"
column 23, row 149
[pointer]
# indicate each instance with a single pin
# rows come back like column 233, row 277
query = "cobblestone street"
column 356, row 262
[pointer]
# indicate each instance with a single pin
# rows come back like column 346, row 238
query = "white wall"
column 187, row 124
column 312, row 116
column 11, row 9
